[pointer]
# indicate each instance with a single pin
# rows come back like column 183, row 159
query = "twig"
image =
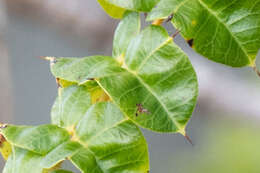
column 188, row 139
column 256, row 70
column 169, row 18
column 176, row 33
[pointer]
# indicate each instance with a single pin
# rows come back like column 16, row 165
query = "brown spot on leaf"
column 141, row 109
column 190, row 42
column 2, row 140
column 58, row 82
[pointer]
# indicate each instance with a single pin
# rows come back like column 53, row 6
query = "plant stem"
column 256, row 70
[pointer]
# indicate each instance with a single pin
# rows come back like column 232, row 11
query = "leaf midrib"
column 220, row 21
column 158, row 99
column 153, row 52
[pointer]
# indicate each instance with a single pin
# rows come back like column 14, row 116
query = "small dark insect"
column 169, row 18
column 140, row 109
column 190, row 42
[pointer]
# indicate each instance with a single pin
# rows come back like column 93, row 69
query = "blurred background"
column 225, row 125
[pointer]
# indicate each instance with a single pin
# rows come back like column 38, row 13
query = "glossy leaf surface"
column 224, row 31
column 80, row 70
column 23, row 161
column 70, row 106
column 157, row 75
column 38, row 139
column 127, row 29
column 36, row 149
column 111, row 142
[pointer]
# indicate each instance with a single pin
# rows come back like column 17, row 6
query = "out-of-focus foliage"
column 231, row 150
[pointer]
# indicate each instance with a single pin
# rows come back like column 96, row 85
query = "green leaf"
column 40, row 139
column 60, row 153
column 224, row 31
column 112, row 10
column 127, row 29
column 112, row 143
column 156, row 74
column 114, row 6
column 23, row 161
column 82, row 70
column 36, row 149
column 70, row 106
column 96, row 92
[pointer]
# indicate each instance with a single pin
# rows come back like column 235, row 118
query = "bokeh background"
column 225, row 125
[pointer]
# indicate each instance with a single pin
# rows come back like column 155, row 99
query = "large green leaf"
column 224, row 31
column 107, row 135
column 127, row 29
column 112, row 143
column 156, row 74
column 115, row 8
column 38, row 139
column 81, row 70
column 23, row 161
column 159, row 76
column 36, row 149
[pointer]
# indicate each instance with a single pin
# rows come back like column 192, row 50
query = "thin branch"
column 188, row 139
column 176, row 33
column 256, row 70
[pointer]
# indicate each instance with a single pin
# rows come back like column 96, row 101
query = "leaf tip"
column 189, row 139
column 183, row 132
column 51, row 59
column 256, row 70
